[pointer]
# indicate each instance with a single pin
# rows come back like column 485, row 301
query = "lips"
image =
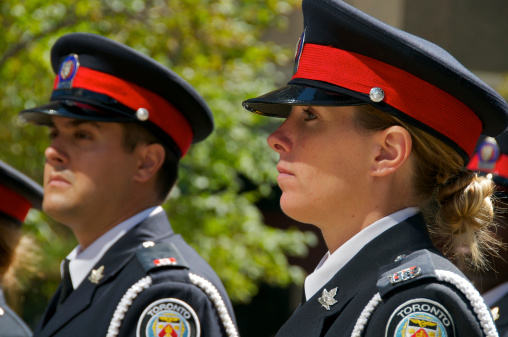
column 283, row 172
column 57, row 180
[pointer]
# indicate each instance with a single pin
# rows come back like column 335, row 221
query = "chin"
column 298, row 212
column 56, row 207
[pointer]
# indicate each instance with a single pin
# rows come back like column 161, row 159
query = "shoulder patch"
column 415, row 266
column 420, row 317
column 168, row 317
column 157, row 255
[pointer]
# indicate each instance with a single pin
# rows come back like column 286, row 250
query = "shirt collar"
column 82, row 262
column 330, row 264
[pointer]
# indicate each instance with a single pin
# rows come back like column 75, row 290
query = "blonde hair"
column 457, row 204
column 18, row 255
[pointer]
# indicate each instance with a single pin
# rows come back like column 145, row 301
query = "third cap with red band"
column 102, row 80
column 18, row 193
column 491, row 159
column 346, row 57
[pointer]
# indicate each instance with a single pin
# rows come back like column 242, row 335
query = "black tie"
column 66, row 286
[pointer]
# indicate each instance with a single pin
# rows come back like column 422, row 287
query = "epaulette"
column 160, row 255
column 406, row 270
column 417, row 267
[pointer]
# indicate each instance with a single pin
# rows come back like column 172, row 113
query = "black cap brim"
column 43, row 114
column 278, row 103
column 21, row 184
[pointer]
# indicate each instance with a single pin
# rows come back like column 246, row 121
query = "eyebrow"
column 77, row 122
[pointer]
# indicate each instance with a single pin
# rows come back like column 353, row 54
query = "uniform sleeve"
column 11, row 325
column 172, row 309
column 427, row 309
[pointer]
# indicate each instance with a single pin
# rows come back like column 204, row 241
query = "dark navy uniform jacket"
column 175, row 289
column 10, row 323
column 416, row 303
column 502, row 321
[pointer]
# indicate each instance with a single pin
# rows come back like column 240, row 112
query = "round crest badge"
column 488, row 153
column 67, row 71
column 298, row 52
column 169, row 317
column 420, row 317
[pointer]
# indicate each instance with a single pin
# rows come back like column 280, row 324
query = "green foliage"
column 216, row 46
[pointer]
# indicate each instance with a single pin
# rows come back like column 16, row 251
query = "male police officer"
column 18, row 194
column 119, row 122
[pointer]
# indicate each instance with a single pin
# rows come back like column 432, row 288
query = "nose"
column 55, row 154
column 279, row 140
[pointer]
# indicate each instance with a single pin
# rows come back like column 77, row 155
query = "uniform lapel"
column 114, row 261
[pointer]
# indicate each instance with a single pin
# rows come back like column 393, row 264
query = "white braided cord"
column 476, row 300
column 365, row 315
column 125, row 303
column 216, row 299
column 479, row 306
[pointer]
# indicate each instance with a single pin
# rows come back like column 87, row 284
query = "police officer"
column 491, row 159
column 18, row 194
column 119, row 123
column 379, row 125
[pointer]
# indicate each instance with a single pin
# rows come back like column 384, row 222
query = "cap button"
column 148, row 244
column 142, row 114
column 377, row 94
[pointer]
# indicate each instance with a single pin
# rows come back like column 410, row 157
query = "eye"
column 308, row 115
column 82, row 135
column 52, row 133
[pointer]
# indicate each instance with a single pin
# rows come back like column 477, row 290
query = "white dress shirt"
column 82, row 262
column 331, row 263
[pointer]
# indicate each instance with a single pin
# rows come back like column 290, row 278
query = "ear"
column 151, row 158
column 393, row 150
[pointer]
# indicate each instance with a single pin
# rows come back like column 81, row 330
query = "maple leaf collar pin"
column 327, row 298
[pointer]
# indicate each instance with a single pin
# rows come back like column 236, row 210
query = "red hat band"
column 160, row 111
column 402, row 90
column 13, row 204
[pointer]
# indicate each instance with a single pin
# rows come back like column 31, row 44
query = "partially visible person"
column 18, row 194
column 119, row 123
column 491, row 160
column 378, row 127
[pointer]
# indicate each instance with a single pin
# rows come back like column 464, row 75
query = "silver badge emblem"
column 96, row 275
column 327, row 298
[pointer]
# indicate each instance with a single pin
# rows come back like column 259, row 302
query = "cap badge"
column 142, row 114
column 327, row 298
column 298, row 52
column 68, row 70
column 376, row 94
column 405, row 274
column 96, row 275
column 488, row 153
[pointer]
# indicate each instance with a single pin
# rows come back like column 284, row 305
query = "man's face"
column 88, row 175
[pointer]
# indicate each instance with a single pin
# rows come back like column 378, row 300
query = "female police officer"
column 379, row 125
column 18, row 194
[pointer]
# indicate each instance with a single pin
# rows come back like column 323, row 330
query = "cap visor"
column 43, row 114
column 278, row 103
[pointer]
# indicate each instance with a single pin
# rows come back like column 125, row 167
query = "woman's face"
column 324, row 164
